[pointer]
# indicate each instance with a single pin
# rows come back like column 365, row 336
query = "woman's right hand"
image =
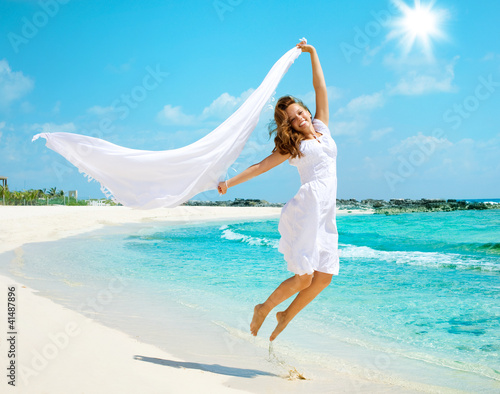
column 222, row 187
column 304, row 47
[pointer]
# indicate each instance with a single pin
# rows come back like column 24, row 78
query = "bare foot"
column 282, row 323
column 259, row 316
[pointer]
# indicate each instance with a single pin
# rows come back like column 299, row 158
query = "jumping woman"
column 307, row 225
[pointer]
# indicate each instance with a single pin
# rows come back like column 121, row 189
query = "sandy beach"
column 58, row 350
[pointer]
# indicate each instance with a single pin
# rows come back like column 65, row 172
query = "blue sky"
column 410, row 121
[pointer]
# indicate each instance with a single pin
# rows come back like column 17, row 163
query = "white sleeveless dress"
column 308, row 229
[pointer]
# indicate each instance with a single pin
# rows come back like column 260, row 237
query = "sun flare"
column 420, row 24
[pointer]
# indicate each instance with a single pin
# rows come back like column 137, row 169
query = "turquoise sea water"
column 416, row 301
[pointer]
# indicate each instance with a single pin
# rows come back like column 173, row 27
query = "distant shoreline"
column 393, row 206
column 344, row 206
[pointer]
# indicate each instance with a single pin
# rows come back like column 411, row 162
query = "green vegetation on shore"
column 50, row 196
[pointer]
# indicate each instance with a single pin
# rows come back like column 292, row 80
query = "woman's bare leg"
column 319, row 282
column 284, row 291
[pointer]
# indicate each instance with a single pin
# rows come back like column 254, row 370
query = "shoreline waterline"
column 29, row 224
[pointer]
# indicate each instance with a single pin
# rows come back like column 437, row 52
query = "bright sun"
column 419, row 24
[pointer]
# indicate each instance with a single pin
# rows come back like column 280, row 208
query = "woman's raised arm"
column 319, row 84
column 269, row 162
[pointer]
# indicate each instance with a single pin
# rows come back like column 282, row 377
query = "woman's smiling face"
column 300, row 118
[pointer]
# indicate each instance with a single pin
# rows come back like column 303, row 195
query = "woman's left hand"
column 222, row 187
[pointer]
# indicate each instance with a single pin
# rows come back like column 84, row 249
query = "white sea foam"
column 428, row 259
column 234, row 236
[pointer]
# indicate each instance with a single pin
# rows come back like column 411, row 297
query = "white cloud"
column 220, row 109
column 53, row 128
column 309, row 98
column 434, row 81
column 354, row 117
column 57, row 107
column 174, row 116
column 13, row 84
column 26, row 107
column 100, row 111
column 224, row 105
column 122, row 68
column 415, row 84
column 427, row 144
column 379, row 133
column 427, row 164
column 374, row 167
column 370, row 53
column 402, row 64
column 478, row 158
column 5, row 129
column 490, row 56
column 364, row 103
column 346, row 127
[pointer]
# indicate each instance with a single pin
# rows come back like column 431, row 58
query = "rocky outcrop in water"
column 395, row 206
column 238, row 202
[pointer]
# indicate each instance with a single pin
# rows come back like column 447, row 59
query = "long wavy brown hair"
column 287, row 140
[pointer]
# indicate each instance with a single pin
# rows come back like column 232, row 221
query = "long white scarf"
column 153, row 179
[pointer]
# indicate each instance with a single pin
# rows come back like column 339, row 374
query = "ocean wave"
column 489, row 248
column 493, row 201
column 428, row 259
column 255, row 241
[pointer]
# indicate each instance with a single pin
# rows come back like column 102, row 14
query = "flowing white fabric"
column 154, row 179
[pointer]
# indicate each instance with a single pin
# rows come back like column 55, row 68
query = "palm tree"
column 18, row 196
column 33, row 195
column 8, row 194
column 52, row 192
column 60, row 193
column 43, row 194
column 2, row 194
column 27, row 196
